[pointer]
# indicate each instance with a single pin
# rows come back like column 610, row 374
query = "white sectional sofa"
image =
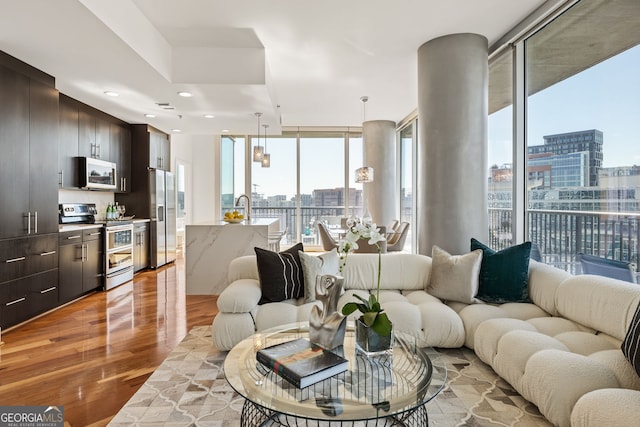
column 561, row 351
column 563, row 346
column 403, row 282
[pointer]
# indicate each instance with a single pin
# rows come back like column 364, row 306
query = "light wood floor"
column 92, row 355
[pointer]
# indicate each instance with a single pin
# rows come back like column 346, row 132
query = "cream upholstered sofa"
column 562, row 350
column 404, row 279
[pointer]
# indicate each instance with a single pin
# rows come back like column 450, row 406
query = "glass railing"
column 562, row 235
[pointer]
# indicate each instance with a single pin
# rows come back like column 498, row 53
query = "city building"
column 573, row 142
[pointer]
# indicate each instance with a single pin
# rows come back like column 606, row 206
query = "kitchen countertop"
column 74, row 227
column 253, row 221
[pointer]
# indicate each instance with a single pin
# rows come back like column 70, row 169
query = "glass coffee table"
column 385, row 390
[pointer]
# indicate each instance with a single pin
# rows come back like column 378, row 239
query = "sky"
column 604, row 97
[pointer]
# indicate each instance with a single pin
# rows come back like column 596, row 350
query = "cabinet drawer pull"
column 44, row 291
column 73, row 237
column 95, row 234
column 22, row 258
column 48, row 253
column 15, row 301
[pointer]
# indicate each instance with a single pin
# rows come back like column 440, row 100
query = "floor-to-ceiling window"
column 407, row 179
column 274, row 188
column 500, row 150
column 576, row 111
column 310, row 179
column 583, row 144
column 322, row 191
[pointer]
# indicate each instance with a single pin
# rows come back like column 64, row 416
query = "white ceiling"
column 300, row 62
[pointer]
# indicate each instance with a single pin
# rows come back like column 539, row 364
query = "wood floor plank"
column 92, row 355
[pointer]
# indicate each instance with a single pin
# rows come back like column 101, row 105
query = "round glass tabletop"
column 391, row 385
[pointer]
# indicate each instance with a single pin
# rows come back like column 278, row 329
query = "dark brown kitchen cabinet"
column 120, row 152
column 28, row 142
column 43, row 292
column 29, row 296
column 14, row 146
column 140, row 246
column 80, row 263
column 68, row 142
column 93, row 135
column 43, row 149
column 152, row 144
column 28, row 277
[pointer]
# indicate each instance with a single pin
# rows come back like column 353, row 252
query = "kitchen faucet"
column 247, row 205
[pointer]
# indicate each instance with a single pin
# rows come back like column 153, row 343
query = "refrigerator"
column 155, row 198
column 162, row 206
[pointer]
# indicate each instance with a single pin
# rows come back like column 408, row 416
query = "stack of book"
column 301, row 363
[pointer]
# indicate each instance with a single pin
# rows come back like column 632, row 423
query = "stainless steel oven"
column 118, row 253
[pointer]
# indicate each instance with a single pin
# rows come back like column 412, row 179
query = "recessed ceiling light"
column 151, row 116
column 176, row 130
column 185, row 94
column 111, row 93
column 225, row 130
column 209, row 116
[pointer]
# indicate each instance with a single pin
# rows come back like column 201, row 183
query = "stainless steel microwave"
column 97, row 174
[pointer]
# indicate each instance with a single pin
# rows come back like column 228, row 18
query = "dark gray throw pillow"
column 504, row 275
column 631, row 344
column 280, row 274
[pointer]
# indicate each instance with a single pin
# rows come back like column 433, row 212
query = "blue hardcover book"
column 301, row 363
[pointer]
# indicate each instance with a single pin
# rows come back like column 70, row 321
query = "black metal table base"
column 254, row 415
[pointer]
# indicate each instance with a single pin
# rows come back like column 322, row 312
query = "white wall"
column 201, row 152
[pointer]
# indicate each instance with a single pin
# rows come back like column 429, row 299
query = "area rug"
column 189, row 389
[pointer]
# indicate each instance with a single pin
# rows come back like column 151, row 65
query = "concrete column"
column 379, row 138
column 452, row 142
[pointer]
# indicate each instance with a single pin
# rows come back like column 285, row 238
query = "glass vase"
column 370, row 342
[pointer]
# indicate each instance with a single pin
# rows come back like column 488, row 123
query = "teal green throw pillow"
column 504, row 275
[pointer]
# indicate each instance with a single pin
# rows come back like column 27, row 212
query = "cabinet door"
column 68, row 142
column 43, row 292
column 155, row 151
column 86, row 134
column 103, row 139
column 43, row 147
column 14, row 258
column 92, row 268
column 70, row 271
column 120, row 153
column 14, row 146
column 165, row 159
column 13, row 302
column 42, row 253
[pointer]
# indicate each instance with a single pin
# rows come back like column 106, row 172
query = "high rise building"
column 573, row 142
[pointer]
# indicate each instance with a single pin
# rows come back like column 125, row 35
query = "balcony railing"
column 562, row 235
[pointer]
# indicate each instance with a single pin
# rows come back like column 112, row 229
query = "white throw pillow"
column 314, row 265
column 455, row 277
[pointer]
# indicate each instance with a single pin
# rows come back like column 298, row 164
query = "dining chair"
column 620, row 270
column 396, row 243
column 274, row 238
column 365, row 248
column 328, row 242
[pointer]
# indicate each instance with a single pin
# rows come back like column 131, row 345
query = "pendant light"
column 266, row 157
column 258, row 151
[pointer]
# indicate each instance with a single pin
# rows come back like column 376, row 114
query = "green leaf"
column 372, row 300
column 360, row 298
column 381, row 324
column 370, row 318
column 349, row 308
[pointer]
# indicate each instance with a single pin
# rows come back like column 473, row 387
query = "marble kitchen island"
column 210, row 247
